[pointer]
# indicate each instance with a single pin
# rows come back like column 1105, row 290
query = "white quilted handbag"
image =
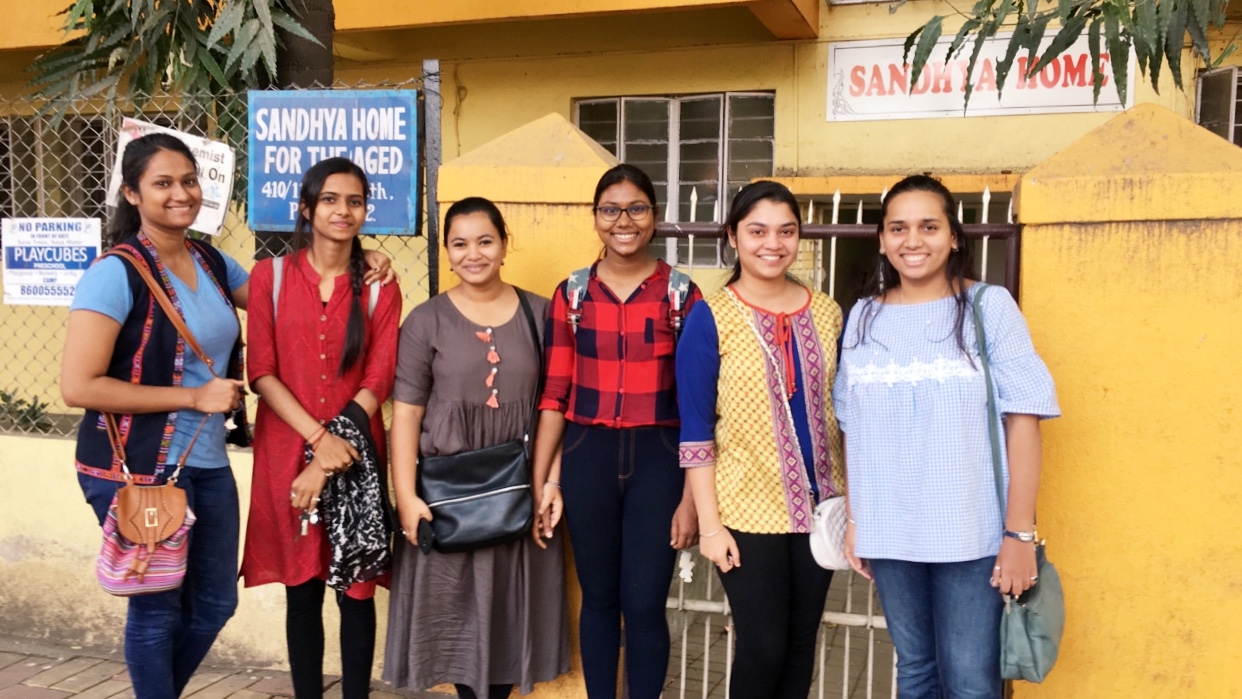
column 828, row 534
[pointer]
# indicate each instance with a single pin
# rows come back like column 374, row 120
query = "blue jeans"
column 944, row 619
column 167, row 634
column 621, row 488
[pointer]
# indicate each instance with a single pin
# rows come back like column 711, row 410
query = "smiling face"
column 625, row 237
column 340, row 209
column 916, row 237
column 475, row 248
column 766, row 240
column 168, row 197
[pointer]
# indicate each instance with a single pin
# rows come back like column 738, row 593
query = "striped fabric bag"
column 128, row 568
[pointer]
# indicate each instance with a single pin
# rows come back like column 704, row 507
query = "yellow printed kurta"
column 762, row 484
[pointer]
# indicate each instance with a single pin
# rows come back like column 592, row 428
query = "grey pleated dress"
column 497, row 615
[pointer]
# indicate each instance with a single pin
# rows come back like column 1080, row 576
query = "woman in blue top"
column 124, row 356
column 911, row 399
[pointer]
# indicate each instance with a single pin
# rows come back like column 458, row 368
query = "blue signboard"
column 294, row 129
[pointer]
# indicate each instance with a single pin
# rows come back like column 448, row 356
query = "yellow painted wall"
column 49, row 539
column 1136, row 315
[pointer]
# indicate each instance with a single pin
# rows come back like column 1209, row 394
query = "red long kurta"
column 303, row 349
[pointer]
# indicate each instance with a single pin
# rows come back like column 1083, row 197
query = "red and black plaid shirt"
column 618, row 370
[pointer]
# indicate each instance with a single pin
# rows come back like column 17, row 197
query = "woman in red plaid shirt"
column 610, row 399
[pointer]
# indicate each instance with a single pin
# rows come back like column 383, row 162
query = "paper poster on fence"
column 867, row 81
column 215, row 171
column 292, row 130
column 44, row 258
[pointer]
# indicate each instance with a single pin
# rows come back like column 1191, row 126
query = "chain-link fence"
column 57, row 163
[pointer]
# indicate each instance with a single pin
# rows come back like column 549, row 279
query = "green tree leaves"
column 1156, row 30
column 186, row 47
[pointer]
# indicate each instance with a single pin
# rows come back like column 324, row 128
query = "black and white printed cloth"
column 354, row 505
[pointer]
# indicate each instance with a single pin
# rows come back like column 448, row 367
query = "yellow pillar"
column 1131, row 285
column 542, row 177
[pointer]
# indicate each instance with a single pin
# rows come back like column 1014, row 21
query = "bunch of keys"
column 308, row 518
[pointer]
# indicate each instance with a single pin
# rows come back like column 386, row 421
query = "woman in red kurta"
column 320, row 348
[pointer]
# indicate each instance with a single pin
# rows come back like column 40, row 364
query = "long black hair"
column 960, row 266
column 745, row 202
column 312, row 186
column 125, row 220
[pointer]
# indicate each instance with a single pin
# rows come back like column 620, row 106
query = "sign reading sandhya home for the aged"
column 867, row 81
column 292, row 130
column 44, row 258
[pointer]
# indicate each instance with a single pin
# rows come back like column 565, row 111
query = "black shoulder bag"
column 482, row 498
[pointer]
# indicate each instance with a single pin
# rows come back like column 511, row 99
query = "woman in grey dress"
column 467, row 371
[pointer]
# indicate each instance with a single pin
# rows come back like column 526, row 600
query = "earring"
column 880, row 272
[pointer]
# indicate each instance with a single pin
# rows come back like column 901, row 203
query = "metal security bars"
column 51, row 168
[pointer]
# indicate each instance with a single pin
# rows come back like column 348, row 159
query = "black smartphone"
column 425, row 536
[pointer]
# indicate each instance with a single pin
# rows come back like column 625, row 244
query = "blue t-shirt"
column 105, row 289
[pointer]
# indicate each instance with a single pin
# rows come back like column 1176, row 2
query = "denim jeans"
column 944, row 619
column 621, row 488
column 167, row 634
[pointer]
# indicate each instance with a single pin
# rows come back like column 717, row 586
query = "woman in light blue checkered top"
column 912, row 401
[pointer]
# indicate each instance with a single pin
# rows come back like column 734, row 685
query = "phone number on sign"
column 26, row 290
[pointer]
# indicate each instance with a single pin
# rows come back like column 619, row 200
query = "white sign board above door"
column 868, row 82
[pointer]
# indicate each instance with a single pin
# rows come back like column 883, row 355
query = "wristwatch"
column 1024, row 537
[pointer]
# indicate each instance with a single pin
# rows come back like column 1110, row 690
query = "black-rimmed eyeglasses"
column 636, row 212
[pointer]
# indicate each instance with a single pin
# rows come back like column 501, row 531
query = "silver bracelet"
column 558, row 485
column 708, row 536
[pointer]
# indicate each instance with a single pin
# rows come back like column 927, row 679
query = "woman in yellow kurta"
column 760, row 443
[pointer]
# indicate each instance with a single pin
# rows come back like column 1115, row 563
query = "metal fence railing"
column 59, row 166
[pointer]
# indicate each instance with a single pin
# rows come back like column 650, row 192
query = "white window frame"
column 1236, row 85
column 672, row 194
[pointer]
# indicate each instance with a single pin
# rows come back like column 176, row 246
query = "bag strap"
column 160, row 295
column 534, row 336
column 575, row 293
column 678, row 292
column 993, row 417
column 174, row 316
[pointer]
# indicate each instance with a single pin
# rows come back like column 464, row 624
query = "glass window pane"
column 646, row 121
column 700, row 162
column 700, row 119
column 751, row 143
column 706, row 209
column 1216, row 99
column 599, row 121
column 751, row 116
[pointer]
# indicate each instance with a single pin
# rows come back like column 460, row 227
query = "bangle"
column 558, row 485
column 708, row 536
column 318, row 437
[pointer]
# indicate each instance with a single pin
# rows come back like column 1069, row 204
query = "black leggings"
column 777, row 596
column 304, row 634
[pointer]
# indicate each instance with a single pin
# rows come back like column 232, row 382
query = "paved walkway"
column 39, row 670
